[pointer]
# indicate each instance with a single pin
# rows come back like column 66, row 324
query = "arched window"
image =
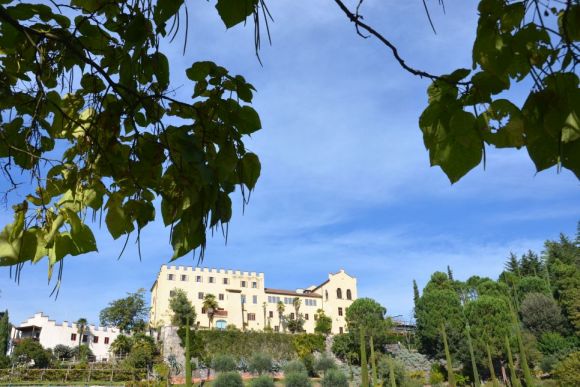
column 339, row 293
column 348, row 294
column 326, row 294
column 221, row 324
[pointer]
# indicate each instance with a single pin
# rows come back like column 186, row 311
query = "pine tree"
column 513, row 264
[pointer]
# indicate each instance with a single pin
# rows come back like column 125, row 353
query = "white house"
column 50, row 334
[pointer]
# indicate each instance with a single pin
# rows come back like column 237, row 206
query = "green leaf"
column 250, row 170
column 165, row 10
column 509, row 135
column 233, row 12
column 248, row 120
column 117, row 221
column 200, row 70
column 161, row 69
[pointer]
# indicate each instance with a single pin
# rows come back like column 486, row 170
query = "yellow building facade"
column 245, row 301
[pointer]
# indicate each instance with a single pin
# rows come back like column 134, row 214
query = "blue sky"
column 346, row 181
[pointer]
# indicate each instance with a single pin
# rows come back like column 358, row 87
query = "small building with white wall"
column 49, row 334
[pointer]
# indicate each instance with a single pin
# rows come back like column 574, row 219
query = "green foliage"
column 553, row 343
column 567, row 371
column 30, row 351
column 5, row 328
column 182, row 309
column 323, row 323
column 142, row 353
column 305, row 344
column 295, row 325
column 296, row 379
column 364, row 370
column 489, row 321
column 532, row 284
column 448, row 359
column 126, row 313
column 295, row 367
column 368, row 314
column 436, row 306
column 83, row 353
column 343, row 345
column 436, row 377
column 334, row 378
column 210, row 305
column 386, row 366
column 260, row 363
column 229, row 379
column 510, row 47
column 262, row 381
column 121, row 345
column 117, row 151
column 63, row 352
column 223, row 363
column 324, row 363
column 540, row 314
column 5, row 361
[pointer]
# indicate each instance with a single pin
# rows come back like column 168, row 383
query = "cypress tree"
column 490, row 365
column 513, row 377
column 392, row 372
column 415, row 297
column 449, row 273
column 448, row 360
column 472, row 356
column 187, row 355
column 373, row 362
column 364, row 370
column 5, row 328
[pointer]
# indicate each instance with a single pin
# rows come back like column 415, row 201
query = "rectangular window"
column 226, row 281
column 243, row 298
column 271, row 314
column 95, row 339
column 200, row 296
column 243, row 284
column 276, row 328
column 340, row 330
column 73, row 337
column 197, row 278
column 211, row 280
column 254, row 284
column 340, row 311
column 85, row 338
column 251, row 316
column 183, row 277
column 106, row 340
column 170, row 277
column 221, row 297
column 306, row 316
column 292, row 316
column 255, row 299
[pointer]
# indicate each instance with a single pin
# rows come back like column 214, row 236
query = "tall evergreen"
column 416, row 297
column 449, row 273
column 364, row 369
column 5, row 328
column 187, row 355
column 448, row 360
column 513, row 376
column 513, row 265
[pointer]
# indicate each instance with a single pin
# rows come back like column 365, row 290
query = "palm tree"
column 297, row 303
column 210, row 305
column 281, row 309
column 81, row 328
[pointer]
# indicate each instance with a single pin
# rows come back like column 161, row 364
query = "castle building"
column 245, row 302
column 50, row 334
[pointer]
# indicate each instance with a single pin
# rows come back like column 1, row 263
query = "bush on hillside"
column 260, row 363
column 262, row 381
column 297, row 379
column 334, row 378
column 29, row 351
column 223, row 363
column 229, row 379
column 567, row 371
column 324, row 363
column 384, row 371
column 295, row 366
column 63, row 352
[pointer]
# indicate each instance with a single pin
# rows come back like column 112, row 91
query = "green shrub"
column 31, row 350
column 567, row 371
column 297, row 379
column 548, row 363
column 62, row 352
column 324, row 363
column 295, row 366
column 262, row 381
column 5, row 361
column 334, row 378
column 223, row 363
column 260, row 363
column 229, row 379
column 436, row 377
column 552, row 343
column 384, row 371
